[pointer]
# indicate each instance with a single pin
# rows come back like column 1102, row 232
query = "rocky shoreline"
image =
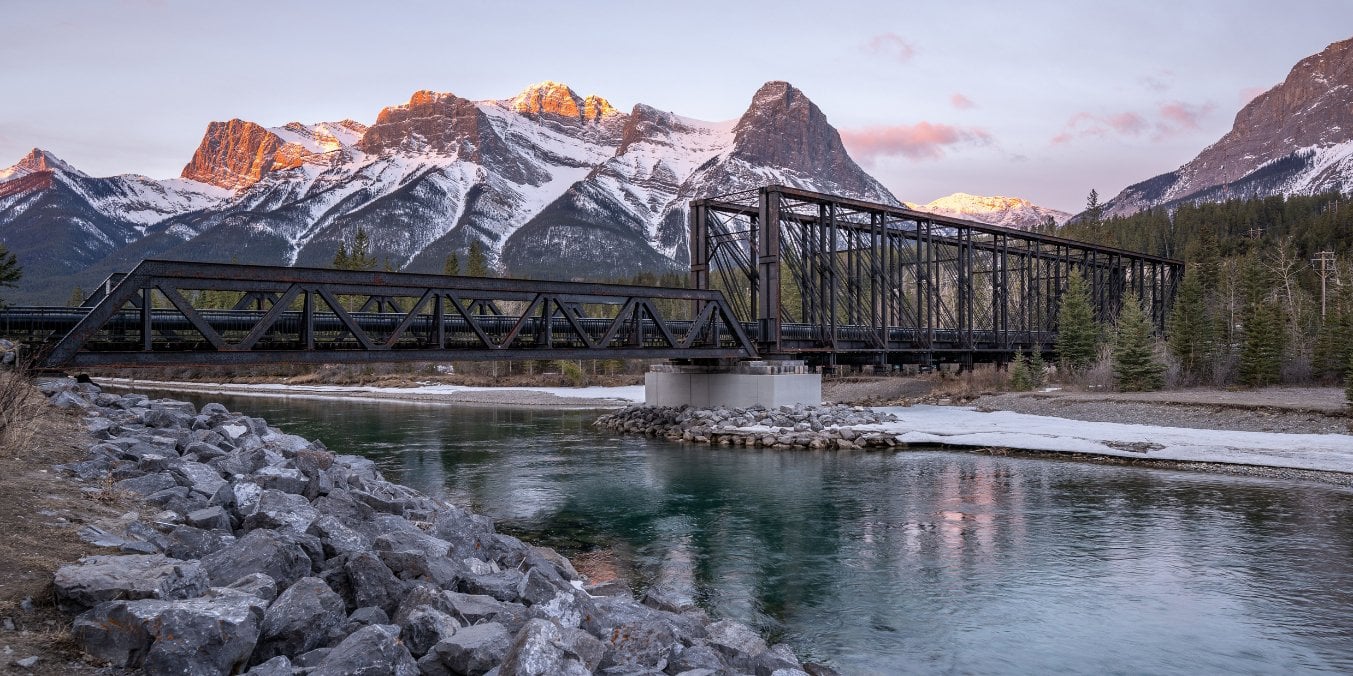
column 268, row 554
column 829, row 426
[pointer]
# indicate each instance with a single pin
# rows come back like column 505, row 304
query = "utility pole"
column 1324, row 266
column 1256, row 232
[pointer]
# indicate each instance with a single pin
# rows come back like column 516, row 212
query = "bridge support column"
column 749, row 383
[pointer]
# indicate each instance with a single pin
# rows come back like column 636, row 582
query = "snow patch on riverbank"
column 961, row 426
column 427, row 394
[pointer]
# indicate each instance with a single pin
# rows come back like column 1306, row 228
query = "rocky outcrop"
column 233, row 154
column 817, row 427
column 271, row 554
column 1270, row 147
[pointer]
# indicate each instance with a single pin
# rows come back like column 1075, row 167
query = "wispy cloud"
column 890, row 45
column 1158, row 81
column 961, row 102
column 1168, row 120
column 920, row 141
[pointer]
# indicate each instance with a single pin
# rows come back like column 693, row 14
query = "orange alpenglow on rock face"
column 553, row 98
column 234, row 154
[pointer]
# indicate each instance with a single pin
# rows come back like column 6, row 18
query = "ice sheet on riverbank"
column 961, row 426
column 527, row 396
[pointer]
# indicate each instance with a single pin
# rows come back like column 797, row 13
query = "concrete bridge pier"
column 745, row 384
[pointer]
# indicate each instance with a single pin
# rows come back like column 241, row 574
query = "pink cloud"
column 1168, row 120
column 890, row 45
column 961, row 102
column 1184, row 115
column 920, row 141
column 1127, row 123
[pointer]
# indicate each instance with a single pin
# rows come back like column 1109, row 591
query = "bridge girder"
column 915, row 284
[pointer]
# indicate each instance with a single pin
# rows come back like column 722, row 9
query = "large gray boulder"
column 277, row 510
column 337, row 537
column 261, row 551
column 471, row 651
column 425, row 628
column 646, row 644
column 697, row 658
column 373, row 583
column 96, row 579
column 369, row 651
column 543, row 648
column 199, row 477
column 214, row 634
column 738, row 643
column 300, row 619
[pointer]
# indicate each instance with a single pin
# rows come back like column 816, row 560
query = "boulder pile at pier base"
column 262, row 552
column 818, row 427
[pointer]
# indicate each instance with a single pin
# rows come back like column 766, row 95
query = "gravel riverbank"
column 263, row 552
column 1287, row 410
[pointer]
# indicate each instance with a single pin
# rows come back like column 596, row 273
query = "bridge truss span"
column 167, row 312
column 836, row 280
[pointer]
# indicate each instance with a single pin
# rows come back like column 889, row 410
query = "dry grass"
column 969, row 385
column 21, row 407
column 40, row 513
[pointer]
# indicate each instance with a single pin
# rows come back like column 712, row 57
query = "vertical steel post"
column 768, row 270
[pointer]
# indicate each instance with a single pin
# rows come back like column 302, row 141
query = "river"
column 909, row 562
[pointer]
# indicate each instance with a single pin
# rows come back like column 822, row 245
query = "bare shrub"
column 969, row 385
column 1099, row 376
column 20, row 408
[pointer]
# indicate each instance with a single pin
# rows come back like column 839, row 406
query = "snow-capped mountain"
column 1010, row 212
column 551, row 183
column 1294, row 139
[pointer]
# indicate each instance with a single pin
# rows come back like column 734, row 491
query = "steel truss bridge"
column 836, row 280
column 776, row 273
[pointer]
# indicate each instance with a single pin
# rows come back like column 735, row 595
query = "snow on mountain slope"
column 547, row 182
column 1288, row 140
column 1010, row 212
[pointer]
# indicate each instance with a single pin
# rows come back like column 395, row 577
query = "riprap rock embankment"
column 269, row 554
column 819, row 427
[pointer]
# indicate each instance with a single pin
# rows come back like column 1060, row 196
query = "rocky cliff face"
column 550, row 183
column 234, row 154
column 629, row 214
column 1296, row 138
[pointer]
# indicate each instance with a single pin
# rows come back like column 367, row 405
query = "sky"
column 1036, row 99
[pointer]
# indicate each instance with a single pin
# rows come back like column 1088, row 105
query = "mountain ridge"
column 1294, row 138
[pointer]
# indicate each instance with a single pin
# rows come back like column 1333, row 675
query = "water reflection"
column 918, row 561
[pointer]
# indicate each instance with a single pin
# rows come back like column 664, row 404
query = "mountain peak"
column 555, row 98
column 36, row 160
column 233, row 154
column 1011, row 212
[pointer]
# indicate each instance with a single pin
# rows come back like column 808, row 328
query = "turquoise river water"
column 907, row 562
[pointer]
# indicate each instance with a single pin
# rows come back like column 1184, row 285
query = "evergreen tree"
column 358, row 256
column 1094, row 211
column 1038, row 368
column 341, row 257
column 1020, row 380
column 1077, row 332
column 1263, row 322
column 1331, row 354
column 10, row 271
column 451, row 267
column 1190, row 329
column 1135, row 367
column 77, row 297
column 477, row 264
column 1348, row 382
